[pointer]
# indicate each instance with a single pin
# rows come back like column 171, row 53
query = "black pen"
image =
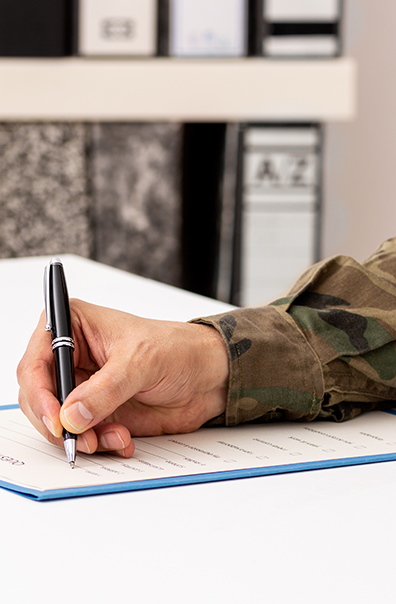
column 57, row 310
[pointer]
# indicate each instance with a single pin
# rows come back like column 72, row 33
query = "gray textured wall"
column 359, row 167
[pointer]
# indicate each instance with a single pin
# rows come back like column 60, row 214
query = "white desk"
column 325, row 536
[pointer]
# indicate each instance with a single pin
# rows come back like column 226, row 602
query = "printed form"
column 31, row 465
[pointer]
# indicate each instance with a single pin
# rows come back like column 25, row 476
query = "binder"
column 202, row 183
column 39, row 470
column 256, row 28
column 117, row 27
column 277, row 221
column 136, row 197
column 163, row 28
column 296, row 28
column 45, row 205
column 227, row 212
column 39, row 28
column 200, row 28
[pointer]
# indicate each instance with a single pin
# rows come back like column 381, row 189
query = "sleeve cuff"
column 274, row 372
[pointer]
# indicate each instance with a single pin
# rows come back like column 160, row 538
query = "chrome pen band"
column 62, row 341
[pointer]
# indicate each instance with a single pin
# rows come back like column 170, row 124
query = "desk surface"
column 321, row 536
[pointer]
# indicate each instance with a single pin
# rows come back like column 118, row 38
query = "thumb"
column 98, row 397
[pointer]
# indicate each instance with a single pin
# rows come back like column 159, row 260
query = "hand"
column 134, row 376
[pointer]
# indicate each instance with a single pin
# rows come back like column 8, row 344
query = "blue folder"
column 329, row 430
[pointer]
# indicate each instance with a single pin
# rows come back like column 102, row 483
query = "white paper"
column 29, row 461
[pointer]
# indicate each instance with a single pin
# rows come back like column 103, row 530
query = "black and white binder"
column 207, row 28
column 117, row 27
column 295, row 28
column 39, row 28
column 277, row 233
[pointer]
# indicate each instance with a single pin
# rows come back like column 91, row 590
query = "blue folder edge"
column 138, row 485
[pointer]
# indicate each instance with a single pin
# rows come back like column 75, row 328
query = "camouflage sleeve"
column 327, row 350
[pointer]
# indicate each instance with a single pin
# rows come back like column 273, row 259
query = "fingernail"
column 82, row 444
column 78, row 416
column 48, row 424
column 112, row 441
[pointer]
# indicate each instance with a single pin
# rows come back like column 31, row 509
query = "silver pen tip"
column 72, row 464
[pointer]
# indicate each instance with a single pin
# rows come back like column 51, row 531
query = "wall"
column 360, row 160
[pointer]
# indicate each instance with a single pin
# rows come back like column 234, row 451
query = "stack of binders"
column 176, row 28
column 249, row 195
column 278, row 210
column 300, row 28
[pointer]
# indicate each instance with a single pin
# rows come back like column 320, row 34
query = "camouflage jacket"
column 325, row 351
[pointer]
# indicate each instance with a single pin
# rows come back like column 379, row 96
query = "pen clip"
column 47, row 303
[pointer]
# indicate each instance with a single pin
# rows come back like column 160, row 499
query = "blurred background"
column 219, row 146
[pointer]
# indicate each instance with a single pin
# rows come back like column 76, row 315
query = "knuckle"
column 22, row 401
column 20, row 369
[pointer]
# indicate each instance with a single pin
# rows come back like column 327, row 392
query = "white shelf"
column 177, row 89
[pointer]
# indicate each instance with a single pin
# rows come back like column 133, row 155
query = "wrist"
column 215, row 368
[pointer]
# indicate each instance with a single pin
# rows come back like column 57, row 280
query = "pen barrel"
column 59, row 323
column 59, row 302
column 65, row 379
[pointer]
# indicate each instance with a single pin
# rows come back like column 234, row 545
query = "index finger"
column 35, row 374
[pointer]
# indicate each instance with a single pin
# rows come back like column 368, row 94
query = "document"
column 31, row 466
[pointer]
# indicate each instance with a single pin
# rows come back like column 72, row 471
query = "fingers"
column 105, row 437
column 37, row 399
column 35, row 375
column 113, row 438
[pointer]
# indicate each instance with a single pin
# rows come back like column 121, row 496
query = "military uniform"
column 325, row 351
